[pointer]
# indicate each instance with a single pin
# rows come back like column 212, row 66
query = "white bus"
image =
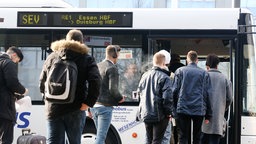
column 140, row 32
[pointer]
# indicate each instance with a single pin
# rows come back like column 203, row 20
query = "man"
column 10, row 90
column 173, row 66
column 175, row 63
column 191, row 89
column 109, row 96
column 155, row 106
column 220, row 99
column 70, row 118
column 167, row 135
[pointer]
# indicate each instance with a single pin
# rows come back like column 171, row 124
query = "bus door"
column 223, row 46
column 245, row 108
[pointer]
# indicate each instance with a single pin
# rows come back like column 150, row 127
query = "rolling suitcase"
column 30, row 138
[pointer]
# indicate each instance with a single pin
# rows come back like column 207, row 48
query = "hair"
column 192, row 56
column 212, row 60
column 75, row 35
column 167, row 56
column 175, row 58
column 13, row 49
column 158, row 59
column 112, row 50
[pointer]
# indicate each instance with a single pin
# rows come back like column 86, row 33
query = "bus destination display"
column 74, row 19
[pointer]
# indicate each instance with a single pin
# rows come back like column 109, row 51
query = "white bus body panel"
column 248, row 140
column 177, row 19
column 34, row 119
column 123, row 120
column 248, row 130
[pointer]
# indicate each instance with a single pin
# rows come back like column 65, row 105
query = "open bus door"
column 223, row 46
column 245, row 85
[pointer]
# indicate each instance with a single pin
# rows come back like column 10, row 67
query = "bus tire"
column 89, row 134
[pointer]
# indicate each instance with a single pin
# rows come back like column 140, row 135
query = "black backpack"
column 60, row 85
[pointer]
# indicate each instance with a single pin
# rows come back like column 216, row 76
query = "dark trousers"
column 210, row 138
column 155, row 131
column 6, row 131
column 184, row 124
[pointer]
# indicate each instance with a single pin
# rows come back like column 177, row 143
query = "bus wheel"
column 89, row 134
column 88, row 138
column 112, row 136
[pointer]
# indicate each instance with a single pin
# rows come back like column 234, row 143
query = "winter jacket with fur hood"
column 88, row 79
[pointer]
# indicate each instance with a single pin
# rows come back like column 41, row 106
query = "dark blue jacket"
column 191, row 88
column 155, row 95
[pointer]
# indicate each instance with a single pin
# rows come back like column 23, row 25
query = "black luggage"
column 30, row 138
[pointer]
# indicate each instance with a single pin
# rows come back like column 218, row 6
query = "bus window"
column 129, row 65
column 249, row 97
column 129, row 61
column 248, row 66
column 34, row 49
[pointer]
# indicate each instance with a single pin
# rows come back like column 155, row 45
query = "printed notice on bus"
column 74, row 19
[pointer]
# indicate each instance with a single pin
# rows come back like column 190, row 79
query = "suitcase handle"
column 25, row 131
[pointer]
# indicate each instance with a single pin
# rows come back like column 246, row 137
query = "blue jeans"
column 71, row 123
column 102, row 118
column 167, row 134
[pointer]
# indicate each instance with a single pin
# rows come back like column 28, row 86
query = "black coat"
column 9, row 84
column 110, row 95
column 88, row 79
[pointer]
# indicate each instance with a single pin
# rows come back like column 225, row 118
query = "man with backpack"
column 69, row 115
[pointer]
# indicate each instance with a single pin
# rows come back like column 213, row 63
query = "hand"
column 206, row 121
column 122, row 100
column 89, row 114
column 170, row 117
column 26, row 92
column 84, row 107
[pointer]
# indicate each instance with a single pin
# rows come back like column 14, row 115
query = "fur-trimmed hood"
column 63, row 45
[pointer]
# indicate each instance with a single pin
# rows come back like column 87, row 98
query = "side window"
column 129, row 65
column 30, row 69
column 33, row 47
column 130, row 71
